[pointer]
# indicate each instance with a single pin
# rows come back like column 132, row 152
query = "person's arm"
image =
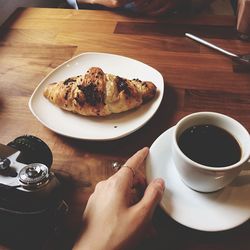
column 148, row 7
column 112, row 219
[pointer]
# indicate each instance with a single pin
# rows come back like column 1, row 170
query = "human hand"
column 154, row 7
column 107, row 3
column 111, row 219
column 149, row 7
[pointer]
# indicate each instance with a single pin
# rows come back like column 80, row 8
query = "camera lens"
column 34, row 174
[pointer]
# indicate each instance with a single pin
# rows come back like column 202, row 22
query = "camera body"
column 31, row 203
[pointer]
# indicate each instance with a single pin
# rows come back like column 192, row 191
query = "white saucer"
column 216, row 211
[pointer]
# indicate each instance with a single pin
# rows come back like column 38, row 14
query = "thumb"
column 151, row 198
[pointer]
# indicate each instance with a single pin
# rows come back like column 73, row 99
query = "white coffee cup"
column 206, row 178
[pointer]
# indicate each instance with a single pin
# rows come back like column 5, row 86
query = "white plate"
column 96, row 128
column 216, row 211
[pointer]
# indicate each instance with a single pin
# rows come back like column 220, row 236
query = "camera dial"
column 34, row 175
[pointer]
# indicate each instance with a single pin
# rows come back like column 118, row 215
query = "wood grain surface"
column 35, row 41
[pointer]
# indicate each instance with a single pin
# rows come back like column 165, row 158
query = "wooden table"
column 35, row 41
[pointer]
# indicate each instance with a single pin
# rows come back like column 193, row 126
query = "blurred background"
column 240, row 8
column 7, row 7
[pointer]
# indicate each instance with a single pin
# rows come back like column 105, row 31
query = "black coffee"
column 210, row 145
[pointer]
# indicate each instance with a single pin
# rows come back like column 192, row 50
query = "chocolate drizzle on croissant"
column 92, row 95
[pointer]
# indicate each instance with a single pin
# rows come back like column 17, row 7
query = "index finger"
column 137, row 159
column 134, row 162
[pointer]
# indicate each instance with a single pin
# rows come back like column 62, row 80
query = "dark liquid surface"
column 210, row 145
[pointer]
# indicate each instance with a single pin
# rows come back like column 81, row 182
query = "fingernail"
column 160, row 182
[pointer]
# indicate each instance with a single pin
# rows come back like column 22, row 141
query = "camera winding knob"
column 34, row 174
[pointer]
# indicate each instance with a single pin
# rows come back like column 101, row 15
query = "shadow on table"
column 174, row 236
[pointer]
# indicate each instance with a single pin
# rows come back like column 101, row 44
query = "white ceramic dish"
column 96, row 128
column 218, row 211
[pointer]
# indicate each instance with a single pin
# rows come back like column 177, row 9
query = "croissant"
column 99, row 94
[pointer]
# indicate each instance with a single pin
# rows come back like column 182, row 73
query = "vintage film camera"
column 31, row 204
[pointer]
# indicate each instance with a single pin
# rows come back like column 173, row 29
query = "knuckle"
column 115, row 3
column 143, row 211
column 108, row 3
column 99, row 185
